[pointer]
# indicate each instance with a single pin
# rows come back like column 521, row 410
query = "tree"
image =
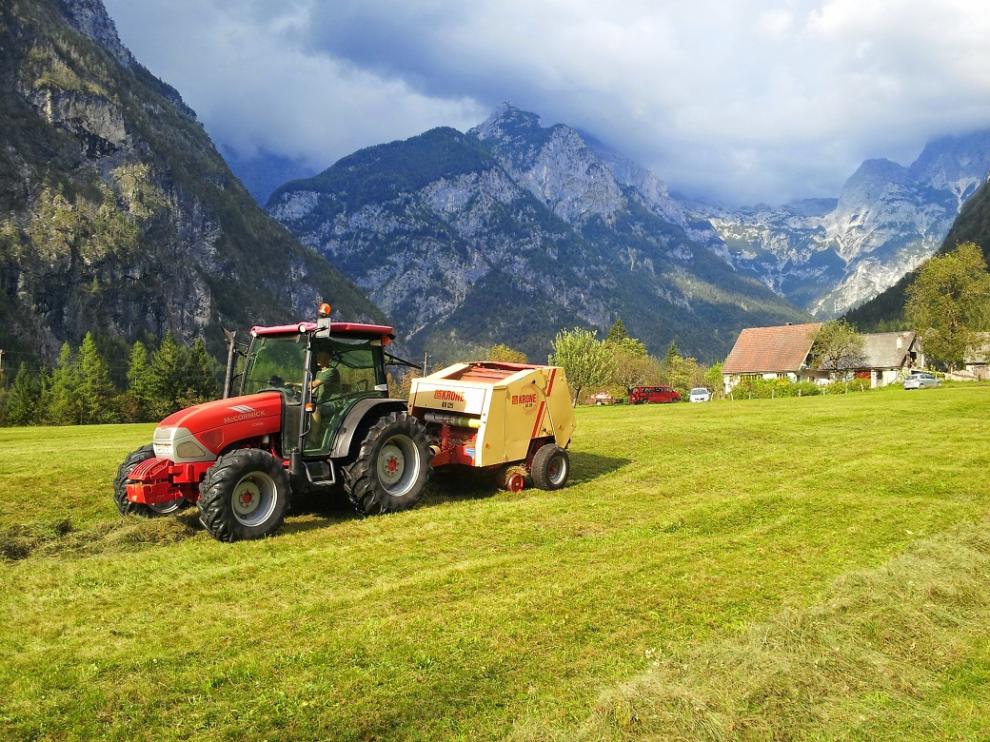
column 616, row 332
column 948, row 303
column 837, row 347
column 95, row 389
column 168, row 377
column 683, row 373
column 672, row 353
column 200, row 375
column 140, row 384
column 62, row 398
column 635, row 369
column 629, row 345
column 22, row 402
column 713, row 378
column 506, row 354
column 586, row 360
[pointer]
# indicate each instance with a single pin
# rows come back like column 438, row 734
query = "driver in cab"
column 327, row 381
column 324, row 387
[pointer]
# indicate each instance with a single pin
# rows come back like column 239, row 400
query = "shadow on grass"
column 451, row 484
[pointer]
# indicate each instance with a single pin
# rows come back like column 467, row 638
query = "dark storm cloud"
column 750, row 100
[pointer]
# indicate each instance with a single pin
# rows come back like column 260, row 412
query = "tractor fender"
column 364, row 408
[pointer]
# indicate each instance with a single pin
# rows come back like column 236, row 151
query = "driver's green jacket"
column 329, row 379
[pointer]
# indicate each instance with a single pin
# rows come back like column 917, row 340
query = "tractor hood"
column 201, row 432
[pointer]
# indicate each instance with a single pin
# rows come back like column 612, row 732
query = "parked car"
column 653, row 395
column 700, row 394
column 602, row 398
column 920, row 380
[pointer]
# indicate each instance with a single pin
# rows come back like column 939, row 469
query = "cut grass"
column 687, row 531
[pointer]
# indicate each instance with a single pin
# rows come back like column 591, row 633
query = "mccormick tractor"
column 314, row 413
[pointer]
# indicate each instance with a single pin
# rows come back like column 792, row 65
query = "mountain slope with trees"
column 117, row 214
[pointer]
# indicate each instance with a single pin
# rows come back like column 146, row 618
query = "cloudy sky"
column 737, row 101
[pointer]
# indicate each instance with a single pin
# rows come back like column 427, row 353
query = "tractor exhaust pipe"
column 228, row 377
column 296, row 467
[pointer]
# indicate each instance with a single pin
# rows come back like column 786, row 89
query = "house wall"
column 979, row 370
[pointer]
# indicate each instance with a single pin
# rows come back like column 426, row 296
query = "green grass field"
column 813, row 568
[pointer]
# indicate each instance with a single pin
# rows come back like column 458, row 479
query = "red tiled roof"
column 771, row 349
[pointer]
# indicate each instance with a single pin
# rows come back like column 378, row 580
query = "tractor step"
column 320, row 472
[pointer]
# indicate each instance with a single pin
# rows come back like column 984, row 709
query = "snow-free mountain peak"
column 514, row 230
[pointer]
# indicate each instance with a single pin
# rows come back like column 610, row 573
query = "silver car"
column 700, row 394
column 920, row 380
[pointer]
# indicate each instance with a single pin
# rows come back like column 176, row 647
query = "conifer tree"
column 63, row 406
column 22, row 402
column 168, row 371
column 95, row 389
column 201, row 383
column 616, row 332
column 139, row 380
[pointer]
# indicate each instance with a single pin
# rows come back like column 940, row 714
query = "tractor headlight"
column 179, row 445
column 189, row 450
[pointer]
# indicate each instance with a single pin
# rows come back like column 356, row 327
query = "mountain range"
column 444, row 212
column 830, row 255
column 513, row 230
column 117, row 214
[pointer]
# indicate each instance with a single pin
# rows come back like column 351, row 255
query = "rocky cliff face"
column 515, row 230
column 830, row 256
column 116, row 212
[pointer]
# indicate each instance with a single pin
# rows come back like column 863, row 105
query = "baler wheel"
column 391, row 468
column 512, row 478
column 550, row 468
column 125, row 506
column 244, row 495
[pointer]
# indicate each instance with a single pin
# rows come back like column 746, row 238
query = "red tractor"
column 240, row 458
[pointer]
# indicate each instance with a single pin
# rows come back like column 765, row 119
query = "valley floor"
column 814, row 568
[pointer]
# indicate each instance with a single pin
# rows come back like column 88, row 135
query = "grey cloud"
column 743, row 101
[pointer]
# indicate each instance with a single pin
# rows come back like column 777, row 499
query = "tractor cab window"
column 344, row 372
column 276, row 363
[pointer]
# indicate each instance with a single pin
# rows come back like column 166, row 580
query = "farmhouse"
column 887, row 356
column 779, row 352
column 977, row 361
column 784, row 352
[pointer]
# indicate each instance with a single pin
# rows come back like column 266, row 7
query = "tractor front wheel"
column 125, row 506
column 391, row 468
column 551, row 466
column 244, row 495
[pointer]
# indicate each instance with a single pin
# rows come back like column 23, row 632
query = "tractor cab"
column 340, row 364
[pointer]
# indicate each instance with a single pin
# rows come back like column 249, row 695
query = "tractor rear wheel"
column 550, row 468
column 244, row 495
column 391, row 468
column 125, row 506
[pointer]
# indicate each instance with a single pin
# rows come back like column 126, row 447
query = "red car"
column 653, row 395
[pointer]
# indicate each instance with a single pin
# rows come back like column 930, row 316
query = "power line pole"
column 426, row 361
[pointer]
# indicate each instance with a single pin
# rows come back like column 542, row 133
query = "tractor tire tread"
column 360, row 478
column 215, row 511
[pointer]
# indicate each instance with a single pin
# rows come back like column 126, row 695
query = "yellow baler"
column 515, row 419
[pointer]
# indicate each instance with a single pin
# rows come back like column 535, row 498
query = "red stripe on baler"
column 539, row 419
